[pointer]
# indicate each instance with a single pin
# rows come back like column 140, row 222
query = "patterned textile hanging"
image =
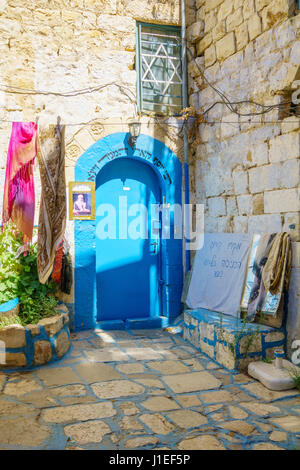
column 258, row 292
column 57, row 267
column 52, row 216
column 19, row 198
column 67, row 274
column 277, row 270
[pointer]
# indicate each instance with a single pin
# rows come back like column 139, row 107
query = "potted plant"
column 10, row 270
column 23, row 299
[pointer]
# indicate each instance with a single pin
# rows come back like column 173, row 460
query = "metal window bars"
column 159, row 69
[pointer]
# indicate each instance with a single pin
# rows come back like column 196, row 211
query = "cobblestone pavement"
column 142, row 390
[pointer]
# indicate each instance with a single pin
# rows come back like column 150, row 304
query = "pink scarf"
column 18, row 200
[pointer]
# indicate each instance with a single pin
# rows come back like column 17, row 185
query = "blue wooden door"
column 127, row 258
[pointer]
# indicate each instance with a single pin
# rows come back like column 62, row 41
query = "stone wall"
column 36, row 344
column 246, row 169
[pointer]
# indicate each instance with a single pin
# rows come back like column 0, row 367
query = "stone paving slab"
column 191, row 382
column 94, row 372
column 144, row 354
column 58, row 376
column 78, row 412
column 160, row 404
column 106, row 355
column 145, row 389
column 168, row 367
column 21, row 387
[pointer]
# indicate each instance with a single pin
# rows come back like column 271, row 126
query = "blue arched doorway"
column 127, row 282
column 127, row 257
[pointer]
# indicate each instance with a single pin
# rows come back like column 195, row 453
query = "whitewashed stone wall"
column 246, row 170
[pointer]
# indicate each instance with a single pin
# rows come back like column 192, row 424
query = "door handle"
column 154, row 244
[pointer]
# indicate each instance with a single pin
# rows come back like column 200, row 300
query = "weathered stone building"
column 245, row 169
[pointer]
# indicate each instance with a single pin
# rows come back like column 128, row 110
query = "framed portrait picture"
column 82, row 200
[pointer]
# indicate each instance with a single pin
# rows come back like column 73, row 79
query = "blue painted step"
column 146, row 323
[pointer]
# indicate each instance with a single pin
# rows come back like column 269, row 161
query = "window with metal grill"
column 159, row 69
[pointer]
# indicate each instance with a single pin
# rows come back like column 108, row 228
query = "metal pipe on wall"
column 186, row 142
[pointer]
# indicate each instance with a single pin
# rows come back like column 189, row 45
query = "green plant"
column 10, row 266
column 36, row 300
column 242, row 331
column 19, row 278
column 267, row 360
column 295, row 375
column 11, row 320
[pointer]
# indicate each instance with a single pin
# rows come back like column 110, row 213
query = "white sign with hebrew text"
column 219, row 272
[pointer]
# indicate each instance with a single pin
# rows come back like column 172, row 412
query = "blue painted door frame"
column 168, row 171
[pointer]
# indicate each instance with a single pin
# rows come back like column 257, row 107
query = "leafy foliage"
column 295, row 375
column 19, row 278
column 11, row 320
column 243, row 330
column 268, row 360
column 10, row 266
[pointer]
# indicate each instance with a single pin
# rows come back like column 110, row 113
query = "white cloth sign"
column 219, row 272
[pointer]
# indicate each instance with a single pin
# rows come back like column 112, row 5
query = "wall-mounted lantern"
column 134, row 130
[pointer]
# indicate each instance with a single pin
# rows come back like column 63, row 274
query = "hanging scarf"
column 57, row 267
column 258, row 292
column 52, row 217
column 18, row 200
column 278, row 265
column 67, row 274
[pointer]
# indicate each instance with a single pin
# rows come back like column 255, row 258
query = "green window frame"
column 159, row 69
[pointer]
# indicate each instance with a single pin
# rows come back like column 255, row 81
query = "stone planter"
column 10, row 308
column 34, row 345
column 230, row 342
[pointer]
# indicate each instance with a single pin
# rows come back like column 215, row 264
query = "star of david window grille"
column 159, row 69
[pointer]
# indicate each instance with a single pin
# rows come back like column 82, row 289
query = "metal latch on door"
column 154, row 244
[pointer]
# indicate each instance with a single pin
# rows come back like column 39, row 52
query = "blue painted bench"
column 229, row 340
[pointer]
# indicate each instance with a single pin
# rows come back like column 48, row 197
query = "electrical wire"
column 27, row 91
column 231, row 105
column 157, row 122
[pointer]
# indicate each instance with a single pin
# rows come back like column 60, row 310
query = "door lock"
column 154, row 244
